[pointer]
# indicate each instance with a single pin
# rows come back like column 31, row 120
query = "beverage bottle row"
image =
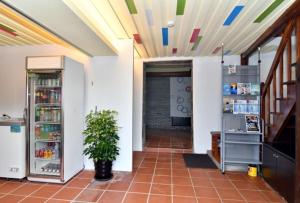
column 47, row 114
column 48, row 82
column 47, row 131
column 47, row 96
column 50, row 151
column 51, row 167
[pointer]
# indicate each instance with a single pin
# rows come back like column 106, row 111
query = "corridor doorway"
column 167, row 102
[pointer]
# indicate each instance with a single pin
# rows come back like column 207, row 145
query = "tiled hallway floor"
column 157, row 178
column 162, row 138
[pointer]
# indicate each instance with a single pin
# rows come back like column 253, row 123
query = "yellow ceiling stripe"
column 4, row 10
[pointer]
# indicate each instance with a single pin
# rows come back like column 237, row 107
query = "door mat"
column 198, row 161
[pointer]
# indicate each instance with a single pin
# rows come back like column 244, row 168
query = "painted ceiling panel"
column 28, row 32
column 148, row 17
column 14, row 33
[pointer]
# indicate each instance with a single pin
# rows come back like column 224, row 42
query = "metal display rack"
column 240, row 147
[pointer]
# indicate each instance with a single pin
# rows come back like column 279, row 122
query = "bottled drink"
column 54, row 115
column 37, row 114
column 37, row 153
column 52, row 97
column 58, row 115
column 56, row 151
column 37, row 97
column 37, row 132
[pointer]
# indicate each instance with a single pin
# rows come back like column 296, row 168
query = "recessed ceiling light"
column 171, row 23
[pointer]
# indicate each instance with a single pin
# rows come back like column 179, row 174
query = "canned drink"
column 252, row 170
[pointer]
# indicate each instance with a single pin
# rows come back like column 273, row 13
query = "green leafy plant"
column 101, row 136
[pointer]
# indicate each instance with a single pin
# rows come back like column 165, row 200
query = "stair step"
column 275, row 113
column 282, row 99
column 291, row 82
column 290, row 126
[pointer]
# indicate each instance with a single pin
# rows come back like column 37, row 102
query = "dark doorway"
column 168, row 105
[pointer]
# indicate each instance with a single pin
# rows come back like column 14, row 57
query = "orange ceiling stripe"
column 8, row 32
column 35, row 28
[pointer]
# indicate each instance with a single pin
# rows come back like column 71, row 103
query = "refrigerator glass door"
column 45, row 123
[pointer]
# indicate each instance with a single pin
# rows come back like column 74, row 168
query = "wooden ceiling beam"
column 169, row 74
column 275, row 29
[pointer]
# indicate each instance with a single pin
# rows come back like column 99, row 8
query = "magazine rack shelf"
column 241, row 137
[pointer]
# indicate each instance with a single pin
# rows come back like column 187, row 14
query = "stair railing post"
column 297, row 169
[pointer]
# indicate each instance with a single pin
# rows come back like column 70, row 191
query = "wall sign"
column 180, row 97
column 15, row 128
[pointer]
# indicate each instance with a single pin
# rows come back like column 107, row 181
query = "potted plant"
column 101, row 139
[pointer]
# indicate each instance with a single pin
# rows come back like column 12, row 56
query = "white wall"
column 206, row 98
column 112, row 78
column 266, row 62
column 137, row 105
column 13, row 73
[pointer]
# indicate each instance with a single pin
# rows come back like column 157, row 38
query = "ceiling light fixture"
column 171, row 23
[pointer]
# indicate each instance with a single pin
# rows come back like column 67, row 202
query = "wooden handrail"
column 285, row 37
column 289, row 60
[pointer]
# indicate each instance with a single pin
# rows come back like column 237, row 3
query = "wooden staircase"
column 279, row 90
column 280, row 107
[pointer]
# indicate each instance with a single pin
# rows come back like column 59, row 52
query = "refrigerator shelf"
column 48, row 104
column 44, row 173
column 47, row 140
column 47, row 122
column 45, row 159
column 46, row 87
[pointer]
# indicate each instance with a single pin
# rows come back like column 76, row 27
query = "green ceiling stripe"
column 196, row 44
column 6, row 28
column 180, row 7
column 131, row 6
column 269, row 10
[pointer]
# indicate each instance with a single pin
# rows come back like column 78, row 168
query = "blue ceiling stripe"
column 227, row 52
column 234, row 13
column 165, row 38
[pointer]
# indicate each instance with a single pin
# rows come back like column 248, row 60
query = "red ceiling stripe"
column 216, row 50
column 137, row 38
column 195, row 35
column 8, row 32
column 174, row 50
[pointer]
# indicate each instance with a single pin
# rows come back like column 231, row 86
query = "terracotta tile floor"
column 161, row 138
column 157, row 178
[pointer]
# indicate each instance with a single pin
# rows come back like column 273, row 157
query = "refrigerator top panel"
column 44, row 62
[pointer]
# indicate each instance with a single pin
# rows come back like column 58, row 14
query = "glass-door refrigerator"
column 47, row 127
